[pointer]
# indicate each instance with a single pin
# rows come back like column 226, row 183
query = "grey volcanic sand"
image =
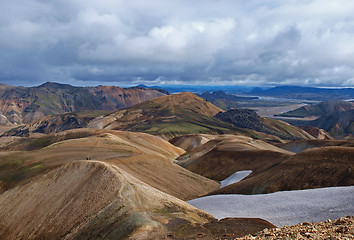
column 236, row 177
column 282, row 208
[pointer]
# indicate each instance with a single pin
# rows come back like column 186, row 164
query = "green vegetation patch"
column 180, row 127
column 13, row 170
column 93, row 114
column 39, row 143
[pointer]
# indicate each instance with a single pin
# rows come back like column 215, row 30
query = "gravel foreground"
column 342, row 228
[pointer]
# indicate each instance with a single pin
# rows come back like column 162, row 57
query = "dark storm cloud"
column 90, row 42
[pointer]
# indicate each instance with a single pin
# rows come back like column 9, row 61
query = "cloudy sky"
column 204, row 42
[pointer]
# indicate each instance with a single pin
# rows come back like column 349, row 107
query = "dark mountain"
column 310, row 93
column 223, row 100
column 249, row 119
column 23, row 105
column 157, row 88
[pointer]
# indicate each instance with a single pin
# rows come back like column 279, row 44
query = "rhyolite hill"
column 23, row 105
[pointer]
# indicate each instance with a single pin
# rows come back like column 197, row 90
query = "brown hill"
column 317, row 132
column 226, row 154
column 90, row 200
column 301, row 145
column 95, row 200
column 24, row 105
column 146, row 157
column 189, row 142
column 313, row 168
column 168, row 116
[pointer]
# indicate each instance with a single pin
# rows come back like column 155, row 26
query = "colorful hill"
column 23, row 105
column 167, row 116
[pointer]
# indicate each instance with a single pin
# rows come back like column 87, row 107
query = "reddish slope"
column 24, row 105
column 221, row 157
column 314, row 168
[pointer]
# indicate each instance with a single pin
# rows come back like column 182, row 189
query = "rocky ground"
column 342, row 228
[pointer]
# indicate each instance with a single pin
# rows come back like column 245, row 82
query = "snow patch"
column 236, row 177
column 282, row 208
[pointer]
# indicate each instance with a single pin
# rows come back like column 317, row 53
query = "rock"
column 342, row 228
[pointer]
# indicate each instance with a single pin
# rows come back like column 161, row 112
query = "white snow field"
column 236, row 177
column 282, row 208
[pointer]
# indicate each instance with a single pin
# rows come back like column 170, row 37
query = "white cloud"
column 253, row 42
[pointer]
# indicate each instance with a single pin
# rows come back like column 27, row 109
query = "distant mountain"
column 338, row 124
column 335, row 117
column 223, row 100
column 23, row 105
column 55, row 123
column 310, row 93
column 157, row 88
column 249, row 119
column 320, row 109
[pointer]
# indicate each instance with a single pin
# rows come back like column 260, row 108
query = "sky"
column 159, row 42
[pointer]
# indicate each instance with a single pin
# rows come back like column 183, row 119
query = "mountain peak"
column 55, row 85
column 185, row 101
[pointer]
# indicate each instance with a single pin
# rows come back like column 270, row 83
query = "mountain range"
column 223, row 100
column 309, row 93
column 169, row 116
column 24, row 105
